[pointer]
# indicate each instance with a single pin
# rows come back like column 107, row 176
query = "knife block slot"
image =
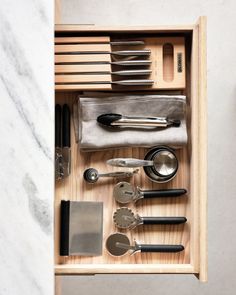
column 74, row 57
column 168, row 62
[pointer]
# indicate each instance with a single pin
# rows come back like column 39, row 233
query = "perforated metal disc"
column 111, row 244
column 124, row 218
column 123, row 192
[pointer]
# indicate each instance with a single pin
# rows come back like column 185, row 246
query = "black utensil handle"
column 161, row 248
column 164, row 220
column 66, row 126
column 58, row 125
column 164, row 193
column 64, row 228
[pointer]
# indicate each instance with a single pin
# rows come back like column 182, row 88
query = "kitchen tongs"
column 118, row 120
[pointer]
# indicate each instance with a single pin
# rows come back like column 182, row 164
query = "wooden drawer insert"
column 192, row 174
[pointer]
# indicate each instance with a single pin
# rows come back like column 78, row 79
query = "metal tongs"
column 62, row 142
column 117, row 120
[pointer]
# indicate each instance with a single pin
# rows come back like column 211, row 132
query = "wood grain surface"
column 75, row 188
column 192, row 173
column 164, row 74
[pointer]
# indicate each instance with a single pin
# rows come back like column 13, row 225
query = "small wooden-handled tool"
column 125, row 218
column 124, row 193
column 118, row 244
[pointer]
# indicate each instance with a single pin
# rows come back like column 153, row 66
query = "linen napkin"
column 93, row 136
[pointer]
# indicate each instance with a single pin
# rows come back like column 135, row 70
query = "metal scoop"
column 125, row 193
column 160, row 164
column 118, row 244
column 125, row 218
column 165, row 163
column 118, row 120
column 91, row 175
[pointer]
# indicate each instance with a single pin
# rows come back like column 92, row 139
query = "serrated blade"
column 124, row 218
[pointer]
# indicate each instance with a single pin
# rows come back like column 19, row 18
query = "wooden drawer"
column 192, row 173
column 73, row 56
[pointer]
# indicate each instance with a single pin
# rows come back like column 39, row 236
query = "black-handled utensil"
column 118, row 244
column 125, row 218
column 118, row 120
column 66, row 140
column 125, row 193
column 163, row 220
column 59, row 173
column 160, row 248
column 66, row 126
column 62, row 142
column 58, row 125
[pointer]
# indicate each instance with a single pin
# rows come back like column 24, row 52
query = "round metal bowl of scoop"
column 118, row 244
column 165, row 164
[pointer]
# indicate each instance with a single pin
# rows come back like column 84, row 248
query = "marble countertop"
column 27, row 141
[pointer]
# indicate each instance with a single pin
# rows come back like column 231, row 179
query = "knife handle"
column 58, row 125
column 161, row 248
column 66, row 126
column 163, row 220
column 166, row 193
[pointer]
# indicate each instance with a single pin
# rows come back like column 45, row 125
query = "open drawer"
column 192, row 173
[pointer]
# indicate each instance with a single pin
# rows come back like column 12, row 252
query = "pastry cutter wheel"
column 125, row 193
column 125, row 218
column 118, row 244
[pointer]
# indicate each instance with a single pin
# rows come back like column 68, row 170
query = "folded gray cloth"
column 93, row 136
